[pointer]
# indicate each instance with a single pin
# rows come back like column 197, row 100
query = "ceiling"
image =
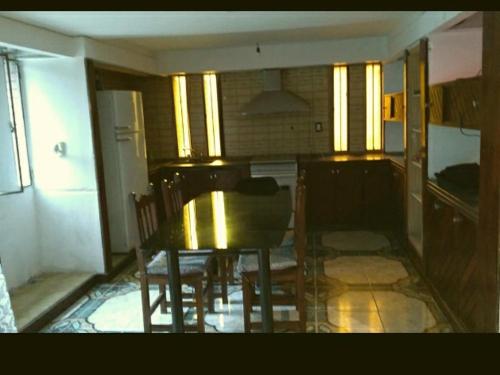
column 157, row 31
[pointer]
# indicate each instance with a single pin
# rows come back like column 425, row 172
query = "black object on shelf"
column 461, row 176
column 258, row 186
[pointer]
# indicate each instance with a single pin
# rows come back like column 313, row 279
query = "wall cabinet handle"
column 436, row 206
column 457, row 219
column 366, row 171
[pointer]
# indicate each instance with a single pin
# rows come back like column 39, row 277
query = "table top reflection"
column 227, row 221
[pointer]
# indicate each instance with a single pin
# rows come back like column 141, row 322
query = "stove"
column 283, row 168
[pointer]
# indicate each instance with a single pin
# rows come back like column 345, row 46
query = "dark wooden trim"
column 331, row 142
column 448, row 197
column 99, row 163
column 221, row 116
column 488, row 241
column 127, row 261
column 53, row 312
column 416, row 260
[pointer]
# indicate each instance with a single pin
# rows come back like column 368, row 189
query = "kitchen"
column 347, row 114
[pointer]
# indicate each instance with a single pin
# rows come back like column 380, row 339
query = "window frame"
column 380, row 108
column 219, row 113
column 8, row 59
column 185, row 121
column 343, row 106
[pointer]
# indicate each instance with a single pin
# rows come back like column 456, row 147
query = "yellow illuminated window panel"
column 189, row 220
column 340, row 108
column 181, row 116
column 212, row 114
column 219, row 217
column 373, row 107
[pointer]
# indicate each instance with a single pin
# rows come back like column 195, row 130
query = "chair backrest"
column 147, row 220
column 300, row 231
column 147, row 223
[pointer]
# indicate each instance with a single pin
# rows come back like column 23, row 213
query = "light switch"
column 318, row 126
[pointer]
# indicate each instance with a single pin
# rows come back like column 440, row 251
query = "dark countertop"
column 244, row 160
column 395, row 158
column 209, row 162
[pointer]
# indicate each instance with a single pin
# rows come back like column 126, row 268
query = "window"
column 212, row 114
column 14, row 162
column 340, row 108
column 181, row 116
column 373, row 108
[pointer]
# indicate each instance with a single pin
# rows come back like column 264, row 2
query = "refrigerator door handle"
column 124, row 139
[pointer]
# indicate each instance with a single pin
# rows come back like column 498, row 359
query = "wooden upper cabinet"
column 456, row 103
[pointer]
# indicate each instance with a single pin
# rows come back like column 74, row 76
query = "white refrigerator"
column 121, row 123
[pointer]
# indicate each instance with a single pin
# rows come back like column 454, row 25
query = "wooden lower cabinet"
column 349, row 194
column 451, row 260
column 199, row 180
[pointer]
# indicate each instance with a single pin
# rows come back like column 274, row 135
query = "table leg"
column 175, row 288
column 266, row 305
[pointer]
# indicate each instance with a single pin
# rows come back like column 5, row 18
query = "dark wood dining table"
column 223, row 223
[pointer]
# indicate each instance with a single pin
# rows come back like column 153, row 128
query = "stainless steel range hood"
column 273, row 99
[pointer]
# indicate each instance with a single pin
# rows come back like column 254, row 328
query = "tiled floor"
column 371, row 287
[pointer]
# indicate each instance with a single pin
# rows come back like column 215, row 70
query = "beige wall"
column 277, row 133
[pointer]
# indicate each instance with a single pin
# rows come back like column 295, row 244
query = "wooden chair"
column 172, row 197
column 153, row 270
column 287, row 267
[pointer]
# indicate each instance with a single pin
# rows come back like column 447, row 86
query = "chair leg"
column 301, row 300
column 247, row 303
column 210, row 288
column 200, row 314
column 163, row 303
column 146, row 307
column 230, row 266
column 223, row 277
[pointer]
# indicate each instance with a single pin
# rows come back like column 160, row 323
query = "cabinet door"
column 196, row 182
column 348, row 194
column 440, row 254
column 377, row 190
column 469, row 291
column 226, row 178
column 320, row 196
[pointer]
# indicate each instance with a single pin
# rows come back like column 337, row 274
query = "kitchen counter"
column 394, row 158
column 397, row 159
column 209, row 162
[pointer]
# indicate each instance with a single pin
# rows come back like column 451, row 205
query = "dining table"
column 223, row 223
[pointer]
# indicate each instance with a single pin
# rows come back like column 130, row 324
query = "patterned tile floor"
column 361, row 288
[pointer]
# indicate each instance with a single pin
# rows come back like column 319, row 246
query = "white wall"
column 19, row 245
column 65, row 187
column 447, row 146
column 273, row 55
column 453, row 54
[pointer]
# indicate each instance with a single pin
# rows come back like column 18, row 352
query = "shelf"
column 417, row 196
column 416, row 164
column 416, row 130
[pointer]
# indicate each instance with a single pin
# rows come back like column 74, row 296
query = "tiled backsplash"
column 276, row 133
column 249, row 135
